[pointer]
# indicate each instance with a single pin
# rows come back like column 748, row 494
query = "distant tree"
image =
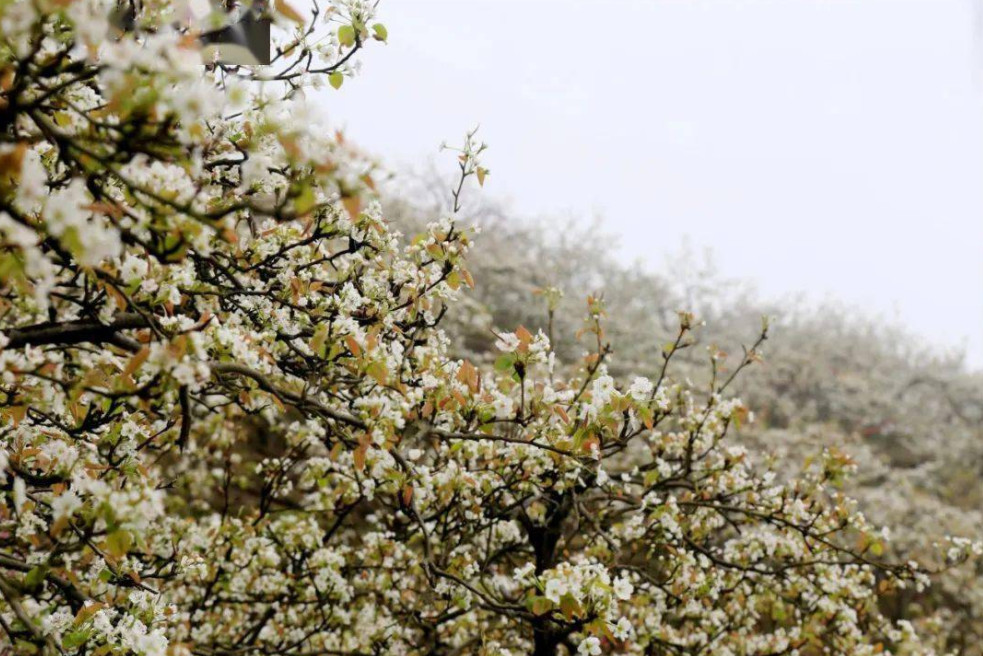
column 230, row 424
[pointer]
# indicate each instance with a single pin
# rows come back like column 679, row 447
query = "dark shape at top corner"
column 244, row 42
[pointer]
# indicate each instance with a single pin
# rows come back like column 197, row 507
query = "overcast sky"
column 827, row 146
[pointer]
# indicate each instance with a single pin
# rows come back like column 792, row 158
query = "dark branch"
column 73, row 332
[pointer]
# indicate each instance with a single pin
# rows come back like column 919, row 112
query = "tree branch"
column 73, row 332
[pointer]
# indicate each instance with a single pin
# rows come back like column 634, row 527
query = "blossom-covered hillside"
column 910, row 415
column 232, row 422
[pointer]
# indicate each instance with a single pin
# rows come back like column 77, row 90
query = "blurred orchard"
column 253, row 401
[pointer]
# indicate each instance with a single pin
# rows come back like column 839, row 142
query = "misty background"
column 830, row 147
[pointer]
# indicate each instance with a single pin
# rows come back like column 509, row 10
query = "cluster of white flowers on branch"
column 230, row 423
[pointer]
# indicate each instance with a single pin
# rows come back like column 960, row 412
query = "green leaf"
column 318, row 342
column 306, row 200
column 378, row 371
column 289, row 12
column 346, row 35
column 578, row 438
column 35, row 577
column 505, row 363
column 381, row 33
column 74, row 639
column 336, row 79
column 570, row 607
column 539, row 605
column 600, row 628
column 118, row 543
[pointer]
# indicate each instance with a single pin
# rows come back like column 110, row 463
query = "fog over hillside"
column 834, row 149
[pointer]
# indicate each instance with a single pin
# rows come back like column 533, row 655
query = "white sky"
column 827, row 146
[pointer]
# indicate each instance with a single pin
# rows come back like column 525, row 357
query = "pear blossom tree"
column 908, row 413
column 231, row 423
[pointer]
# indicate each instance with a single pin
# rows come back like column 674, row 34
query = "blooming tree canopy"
column 231, row 424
